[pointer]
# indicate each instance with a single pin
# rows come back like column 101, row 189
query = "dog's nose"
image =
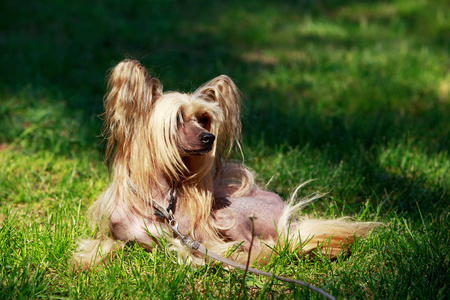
column 207, row 138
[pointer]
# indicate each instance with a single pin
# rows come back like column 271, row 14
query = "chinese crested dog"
column 177, row 144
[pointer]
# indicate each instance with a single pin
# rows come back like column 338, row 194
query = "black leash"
column 166, row 213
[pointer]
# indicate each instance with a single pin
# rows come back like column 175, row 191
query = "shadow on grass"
column 284, row 58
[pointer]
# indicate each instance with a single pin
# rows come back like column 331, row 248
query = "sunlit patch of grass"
column 43, row 180
column 408, row 160
column 444, row 89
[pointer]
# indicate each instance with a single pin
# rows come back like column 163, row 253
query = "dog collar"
column 167, row 213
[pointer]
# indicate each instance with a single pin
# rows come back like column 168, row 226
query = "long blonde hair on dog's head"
column 141, row 132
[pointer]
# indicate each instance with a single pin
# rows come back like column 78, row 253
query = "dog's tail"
column 328, row 236
column 91, row 252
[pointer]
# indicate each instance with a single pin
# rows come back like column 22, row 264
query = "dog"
column 178, row 144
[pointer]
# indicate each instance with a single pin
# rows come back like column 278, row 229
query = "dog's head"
column 195, row 126
column 179, row 135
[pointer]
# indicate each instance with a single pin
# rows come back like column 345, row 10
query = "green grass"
column 354, row 94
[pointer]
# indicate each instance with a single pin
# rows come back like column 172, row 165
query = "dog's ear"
column 128, row 103
column 223, row 91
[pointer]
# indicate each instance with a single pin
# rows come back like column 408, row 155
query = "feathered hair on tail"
column 329, row 236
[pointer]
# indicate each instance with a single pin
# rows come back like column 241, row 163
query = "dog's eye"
column 204, row 120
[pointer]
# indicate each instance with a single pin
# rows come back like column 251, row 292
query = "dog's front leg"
column 131, row 228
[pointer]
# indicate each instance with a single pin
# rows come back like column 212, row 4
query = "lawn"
column 353, row 94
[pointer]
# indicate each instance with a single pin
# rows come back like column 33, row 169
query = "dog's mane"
column 140, row 129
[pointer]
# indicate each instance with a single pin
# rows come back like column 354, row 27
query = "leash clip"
column 185, row 239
